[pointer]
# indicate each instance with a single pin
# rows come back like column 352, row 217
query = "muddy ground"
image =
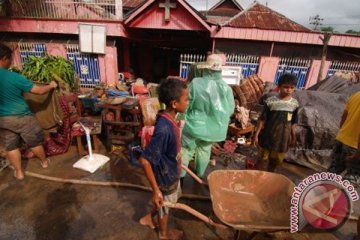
column 39, row 209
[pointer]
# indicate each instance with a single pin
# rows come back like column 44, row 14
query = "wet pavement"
column 41, row 209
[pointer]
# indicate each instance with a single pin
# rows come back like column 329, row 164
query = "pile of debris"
column 247, row 96
column 319, row 114
column 321, row 108
column 249, row 92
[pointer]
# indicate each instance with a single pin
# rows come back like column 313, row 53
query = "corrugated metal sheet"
column 222, row 12
column 217, row 19
column 262, row 17
column 132, row 3
column 227, row 4
column 54, row 26
column 340, row 40
column 180, row 19
column 66, row 9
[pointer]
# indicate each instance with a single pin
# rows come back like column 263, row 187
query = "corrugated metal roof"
column 132, row 3
column 223, row 11
column 309, row 37
column 185, row 15
column 261, row 17
column 233, row 4
column 220, row 13
column 217, row 19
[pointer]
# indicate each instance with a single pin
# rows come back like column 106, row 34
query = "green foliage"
column 15, row 69
column 327, row 29
column 48, row 68
column 353, row 32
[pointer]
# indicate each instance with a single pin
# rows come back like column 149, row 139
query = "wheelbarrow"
column 249, row 200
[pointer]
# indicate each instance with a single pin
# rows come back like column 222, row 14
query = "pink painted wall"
column 16, row 60
column 108, row 66
column 107, row 63
column 314, row 72
column 56, row 49
column 282, row 36
column 56, row 26
column 267, row 68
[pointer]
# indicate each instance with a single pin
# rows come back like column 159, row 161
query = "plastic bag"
column 149, row 110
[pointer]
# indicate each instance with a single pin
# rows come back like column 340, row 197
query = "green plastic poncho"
column 211, row 105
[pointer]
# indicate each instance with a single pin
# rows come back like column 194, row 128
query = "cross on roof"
column 167, row 5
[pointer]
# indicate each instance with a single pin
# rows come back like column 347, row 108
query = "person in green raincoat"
column 208, row 115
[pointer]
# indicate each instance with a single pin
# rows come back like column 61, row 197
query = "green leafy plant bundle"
column 48, row 68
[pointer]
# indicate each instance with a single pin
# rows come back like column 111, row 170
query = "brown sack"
column 45, row 108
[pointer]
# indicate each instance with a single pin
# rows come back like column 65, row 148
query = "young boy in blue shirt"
column 275, row 132
column 161, row 159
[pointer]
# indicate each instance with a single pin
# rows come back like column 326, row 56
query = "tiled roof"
column 262, row 17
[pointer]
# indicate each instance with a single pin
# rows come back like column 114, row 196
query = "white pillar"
column 118, row 10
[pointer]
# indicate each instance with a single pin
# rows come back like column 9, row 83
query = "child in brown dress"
column 275, row 132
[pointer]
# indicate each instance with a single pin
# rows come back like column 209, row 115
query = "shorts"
column 15, row 128
column 173, row 198
column 266, row 155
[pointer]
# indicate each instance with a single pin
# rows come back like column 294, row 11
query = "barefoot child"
column 277, row 124
column 161, row 158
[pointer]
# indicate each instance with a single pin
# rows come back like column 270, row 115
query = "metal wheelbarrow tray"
column 248, row 200
column 251, row 200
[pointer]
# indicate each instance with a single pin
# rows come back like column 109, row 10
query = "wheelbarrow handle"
column 192, row 174
column 195, row 213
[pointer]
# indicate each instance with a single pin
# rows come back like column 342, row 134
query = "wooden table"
column 237, row 132
column 124, row 127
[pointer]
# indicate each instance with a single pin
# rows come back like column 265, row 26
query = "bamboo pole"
column 108, row 184
column 199, row 180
